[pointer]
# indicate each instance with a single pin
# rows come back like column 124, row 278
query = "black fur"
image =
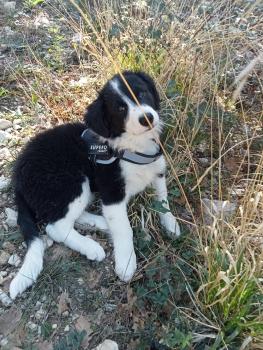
column 49, row 172
column 104, row 116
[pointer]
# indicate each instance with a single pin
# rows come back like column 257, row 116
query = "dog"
column 59, row 170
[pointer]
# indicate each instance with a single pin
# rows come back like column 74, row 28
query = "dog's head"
column 115, row 111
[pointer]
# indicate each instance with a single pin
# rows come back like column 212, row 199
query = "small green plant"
column 71, row 342
column 30, row 4
column 232, row 294
column 177, row 339
column 3, row 92
column 46, row 330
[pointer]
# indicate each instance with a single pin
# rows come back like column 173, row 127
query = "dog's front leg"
column 122, row 235
column 167, row 219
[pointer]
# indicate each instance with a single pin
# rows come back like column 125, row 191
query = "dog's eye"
column 122, row 109
column 142, row 94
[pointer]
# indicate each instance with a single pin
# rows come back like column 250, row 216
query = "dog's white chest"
column 138, row 177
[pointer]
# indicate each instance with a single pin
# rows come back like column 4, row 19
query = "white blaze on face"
column 133, row 125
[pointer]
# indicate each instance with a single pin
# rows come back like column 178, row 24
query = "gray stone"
column 107, row 345
column 4, row 153
column 14, row 260
column 4, row 136
column 4, row 257
column 4, row 298
column 9, row 247
column 4, row 182
column 32, row 326
column 9, row 6
column 5, row 124
column 11, row 219
column 217, row 209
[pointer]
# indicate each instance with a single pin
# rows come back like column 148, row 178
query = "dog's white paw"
column 93, row 220
column 19, row 284
column 31, row 268
column 93, row 250
column 125, row 265
column 171, row 225
column 100, row 223
column 26, row 276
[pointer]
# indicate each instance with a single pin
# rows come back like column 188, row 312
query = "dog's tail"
column 33, row 262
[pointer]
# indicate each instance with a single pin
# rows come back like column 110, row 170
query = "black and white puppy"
column 54, row 178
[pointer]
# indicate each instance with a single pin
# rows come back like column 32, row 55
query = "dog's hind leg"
column 93, row 220
column 74, row 240
column 63, row 230
column 33, row 262
column 30, row 270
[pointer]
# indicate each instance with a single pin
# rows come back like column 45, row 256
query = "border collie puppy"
column 55, row 177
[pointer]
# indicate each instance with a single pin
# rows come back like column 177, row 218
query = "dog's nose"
column 145, row 121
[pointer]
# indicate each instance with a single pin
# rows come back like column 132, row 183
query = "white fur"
column 122, row 236
column 93, row 220
column 31, row 268
column 137, row 178
column 133, row 125
column 63, row 231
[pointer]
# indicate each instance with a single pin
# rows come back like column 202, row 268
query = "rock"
column 204, row 161
column 54, row 326
column 79, row 83
column 42, row 20
column 4, row 182
column 5, row 124
column 217, row 209
column 4, row 298
column 4, row 342
column 9, row 6
column 14, row 260
column 107, row 345
column 3, row 273
column 11, row 219
column 32, row 326
column 17, row 121
column 40, row 314
column 66, row 329
column 4, row 153
column 4, row 257
column 9, row 247
column 4, row 136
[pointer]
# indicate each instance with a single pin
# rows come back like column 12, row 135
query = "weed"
column 30, row 4
column 71, row 342
column 3, row 92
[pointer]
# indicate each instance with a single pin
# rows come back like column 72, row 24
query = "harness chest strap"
column 101, row 153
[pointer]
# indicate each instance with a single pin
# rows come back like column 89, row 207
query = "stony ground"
column 77, row 304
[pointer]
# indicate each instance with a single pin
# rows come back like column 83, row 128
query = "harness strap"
column 100, row 152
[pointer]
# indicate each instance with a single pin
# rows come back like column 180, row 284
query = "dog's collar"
column 100, row 151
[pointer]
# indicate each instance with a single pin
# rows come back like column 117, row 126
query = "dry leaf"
column 83, row 324
column 45, row 346
column 58, row 251
column 9, row 320
column 94, row 278
column 63, row 303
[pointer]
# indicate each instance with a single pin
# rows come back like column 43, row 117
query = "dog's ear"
column 151, row 86
column 95, row 118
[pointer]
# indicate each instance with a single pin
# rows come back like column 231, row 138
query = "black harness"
column 101, row 152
